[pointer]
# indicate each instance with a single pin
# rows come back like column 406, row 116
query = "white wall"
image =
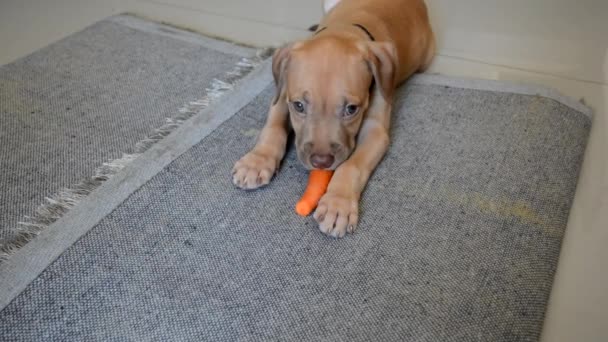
column 27, row 25
column 560, row 37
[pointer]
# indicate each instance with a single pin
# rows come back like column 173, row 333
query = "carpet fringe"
column 60, row 203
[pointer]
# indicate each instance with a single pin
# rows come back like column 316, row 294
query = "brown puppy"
column 335, row 90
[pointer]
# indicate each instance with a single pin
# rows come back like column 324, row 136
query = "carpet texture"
column 459, row 238
column 89, row 98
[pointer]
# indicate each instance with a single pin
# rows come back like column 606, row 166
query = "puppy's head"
column 327, row 84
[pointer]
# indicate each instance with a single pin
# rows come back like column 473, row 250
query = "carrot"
column 318, row 180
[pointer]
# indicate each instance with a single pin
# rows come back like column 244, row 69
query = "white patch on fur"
column 329, row 4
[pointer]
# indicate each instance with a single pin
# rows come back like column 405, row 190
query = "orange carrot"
column 318, row 180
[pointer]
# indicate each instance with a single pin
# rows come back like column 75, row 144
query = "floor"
column 557, row 43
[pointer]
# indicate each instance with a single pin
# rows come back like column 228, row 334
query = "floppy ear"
column 280, row 58
column 382, row 60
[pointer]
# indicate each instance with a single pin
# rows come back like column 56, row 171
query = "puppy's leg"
column 338, row 210
column 430, row 54
column 257, row 167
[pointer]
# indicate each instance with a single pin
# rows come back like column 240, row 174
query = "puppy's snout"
column 322, row 161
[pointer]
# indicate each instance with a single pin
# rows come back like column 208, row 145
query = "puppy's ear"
column 280, row 60
column 382, row 60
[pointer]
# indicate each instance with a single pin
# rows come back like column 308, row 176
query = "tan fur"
column 326, row 73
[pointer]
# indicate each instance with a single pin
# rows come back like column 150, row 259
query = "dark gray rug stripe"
column 91, row 97
column 461, row 228
column 30, row 260
column 179, row 34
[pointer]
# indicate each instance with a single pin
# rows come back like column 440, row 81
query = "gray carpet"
column 91, row 97
column 459, row 237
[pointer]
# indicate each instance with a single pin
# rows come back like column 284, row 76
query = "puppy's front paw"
column 337, row 214
column 254, row 170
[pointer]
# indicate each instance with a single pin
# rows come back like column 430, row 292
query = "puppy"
column 335, row 90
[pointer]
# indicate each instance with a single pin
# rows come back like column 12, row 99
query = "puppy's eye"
column 298, row 106
column 351, row 110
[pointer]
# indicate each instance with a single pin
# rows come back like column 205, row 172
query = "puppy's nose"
column 321, row 161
